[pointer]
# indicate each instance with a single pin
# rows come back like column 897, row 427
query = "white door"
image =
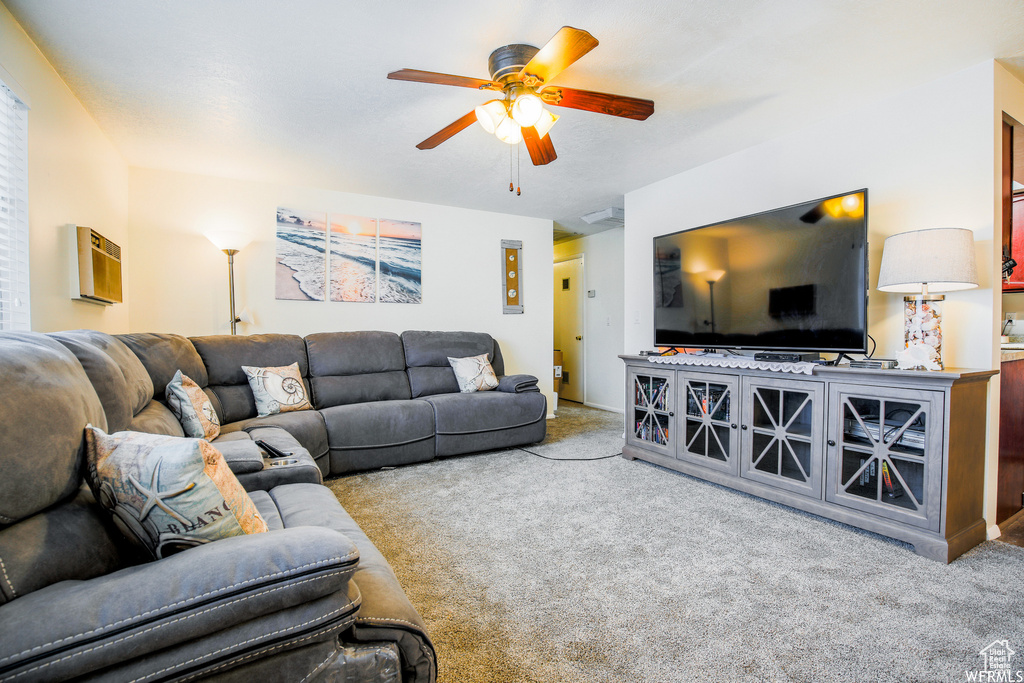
column 569, row 326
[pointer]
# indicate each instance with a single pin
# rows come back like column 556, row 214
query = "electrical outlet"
column 1009, row 316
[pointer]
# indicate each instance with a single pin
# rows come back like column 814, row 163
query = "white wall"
column 926, row 156
column 75, row 176
column 180, row 280
column 603, row 315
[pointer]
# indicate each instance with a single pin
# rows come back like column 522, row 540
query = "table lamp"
column 230, row 242
column 923, row 262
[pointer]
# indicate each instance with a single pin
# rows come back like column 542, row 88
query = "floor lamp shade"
column 922, row 263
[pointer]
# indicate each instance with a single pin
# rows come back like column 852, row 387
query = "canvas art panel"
column 301, row 274
column 401, row 262
column 353, row 258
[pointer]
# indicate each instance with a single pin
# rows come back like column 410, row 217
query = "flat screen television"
column 791, row 279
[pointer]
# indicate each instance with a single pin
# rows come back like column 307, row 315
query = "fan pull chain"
column 519, row 190
column 511, row 185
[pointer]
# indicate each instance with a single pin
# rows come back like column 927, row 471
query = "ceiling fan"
column 522, row 73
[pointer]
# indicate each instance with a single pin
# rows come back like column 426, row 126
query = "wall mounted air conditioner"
column 97, row 262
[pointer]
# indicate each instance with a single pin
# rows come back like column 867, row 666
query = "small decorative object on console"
column 941, row 259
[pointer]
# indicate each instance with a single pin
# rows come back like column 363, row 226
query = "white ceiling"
column 295, row 91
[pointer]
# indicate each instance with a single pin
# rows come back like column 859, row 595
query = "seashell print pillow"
column 277, row 390
column 474, row 373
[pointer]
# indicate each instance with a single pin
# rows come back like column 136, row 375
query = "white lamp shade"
column 508, row 131
column 229, row 239
column 941, row 258
column 544, row 123
column 489, row 114
column 526, row 110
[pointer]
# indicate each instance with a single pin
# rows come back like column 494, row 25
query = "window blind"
column 14, row 283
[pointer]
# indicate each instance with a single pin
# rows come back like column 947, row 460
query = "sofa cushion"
column 73, row 541
column 305, row 426
column 192, row 408
column 468, row 423
column 41, row 466
column 277, row 389
column 168, row 493
column 156, row 418
column 224, row 356
column 371, row 435
column 356, row 367
column 354, row 353
column 225, row 601
column 119, row 377
column 164, row 354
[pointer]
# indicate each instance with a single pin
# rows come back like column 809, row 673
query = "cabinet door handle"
column 671, row 414
column 733, row 426
column 831, row 442
column 744, row 426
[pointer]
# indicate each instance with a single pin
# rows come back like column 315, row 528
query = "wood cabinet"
column 900, row 453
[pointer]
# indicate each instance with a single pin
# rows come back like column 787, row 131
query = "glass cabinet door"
column 709, row 422
column 885, row 450
column 651, row 409
column 782, row 430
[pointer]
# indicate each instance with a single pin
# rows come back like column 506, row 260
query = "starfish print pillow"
column 167, row 493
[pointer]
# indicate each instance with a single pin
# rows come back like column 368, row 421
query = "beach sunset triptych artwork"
column 339, row 257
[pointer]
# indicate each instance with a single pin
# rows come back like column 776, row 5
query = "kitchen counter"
column 1006, row 355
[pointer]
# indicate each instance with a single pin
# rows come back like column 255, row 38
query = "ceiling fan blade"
column 448, row 131
column 602, row 103
column 442, row 79
column 541, row 150
column 564, row 48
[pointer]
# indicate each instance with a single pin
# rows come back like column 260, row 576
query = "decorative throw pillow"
column 277, row 390
column 167, row 493
column 192, row 407
column 474, row 373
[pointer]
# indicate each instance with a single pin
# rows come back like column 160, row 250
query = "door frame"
column 583, row 315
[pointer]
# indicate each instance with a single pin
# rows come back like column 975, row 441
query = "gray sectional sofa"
column 312, row 599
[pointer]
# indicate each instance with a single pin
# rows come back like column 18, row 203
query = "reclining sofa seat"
column 77, row 601
column 360, row 387
column 512, row 415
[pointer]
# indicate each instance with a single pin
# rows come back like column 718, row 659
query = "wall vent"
column 612, row 217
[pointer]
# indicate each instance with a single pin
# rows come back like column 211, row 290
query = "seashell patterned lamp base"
column 922, row 321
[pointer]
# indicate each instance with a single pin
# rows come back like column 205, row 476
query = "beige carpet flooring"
column 527, row 569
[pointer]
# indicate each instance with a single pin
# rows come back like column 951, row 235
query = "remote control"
column 272, row 450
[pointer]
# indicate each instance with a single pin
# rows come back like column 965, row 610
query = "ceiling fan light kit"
column 523, row 73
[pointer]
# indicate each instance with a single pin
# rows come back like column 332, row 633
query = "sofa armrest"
column 517, row 384
column 242, row 455
column 71, row 628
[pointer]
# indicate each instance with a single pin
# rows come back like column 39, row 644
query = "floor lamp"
column 230, row 243
column 921, row 263
column 711, row 277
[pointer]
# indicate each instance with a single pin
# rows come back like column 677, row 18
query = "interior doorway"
column 569, row 339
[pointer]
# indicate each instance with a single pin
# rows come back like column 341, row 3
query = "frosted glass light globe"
column 508, row 131
column 526, row 110
column 489, row 114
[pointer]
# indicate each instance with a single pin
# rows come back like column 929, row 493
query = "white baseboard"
column 620, row 411
column 993, row 532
